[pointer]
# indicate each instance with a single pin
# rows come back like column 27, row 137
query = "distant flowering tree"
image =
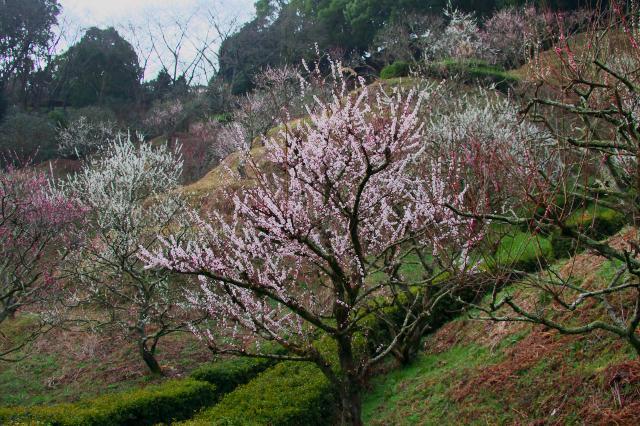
column 509, row 36
column 403, row 38
column 497, row 152
column 273, row 99
column 317, row 248
column 83, row 137
column 130, row 194
column 165, row 117
column 33, row 225
column 461, row 39
column 280, row 95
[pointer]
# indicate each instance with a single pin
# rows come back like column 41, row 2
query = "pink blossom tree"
column 316, row 249
column 33, row 221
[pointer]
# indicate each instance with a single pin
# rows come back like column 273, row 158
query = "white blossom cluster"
column 130, row 195
column 84, row 137
column 461, row 38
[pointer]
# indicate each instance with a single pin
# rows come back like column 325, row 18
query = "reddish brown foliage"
column 524, row 355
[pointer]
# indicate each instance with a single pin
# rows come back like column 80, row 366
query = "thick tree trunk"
column 349, row 389
column 149, row 359
column 350, row 404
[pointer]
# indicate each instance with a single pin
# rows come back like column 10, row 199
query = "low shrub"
column 172, row 400
column 397, row 69
column 595, row 221
column 291, row 393
column 28, row 136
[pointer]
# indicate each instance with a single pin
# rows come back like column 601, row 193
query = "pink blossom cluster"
column 34, row 223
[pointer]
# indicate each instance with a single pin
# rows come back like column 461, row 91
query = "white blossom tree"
column 316, row 249
column 84, row 137
column 131, row 195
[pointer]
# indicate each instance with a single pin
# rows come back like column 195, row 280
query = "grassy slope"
column 513, row 373
column 66, row 366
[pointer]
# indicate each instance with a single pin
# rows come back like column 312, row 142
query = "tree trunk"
column 349, row 389
column 350, row 404
column 150, row 359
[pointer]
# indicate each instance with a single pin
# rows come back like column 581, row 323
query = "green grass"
column 428, row 391
column 395, row 70
column 417, row 394
column 508, row 373
column 521, row 250
column 56, row 370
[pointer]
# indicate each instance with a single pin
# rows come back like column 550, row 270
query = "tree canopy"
column 26, row 33
column 100, row 68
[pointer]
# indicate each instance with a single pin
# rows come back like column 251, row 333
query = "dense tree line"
column 286, row 31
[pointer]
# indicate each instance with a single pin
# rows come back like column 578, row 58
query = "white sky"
column 147, row 14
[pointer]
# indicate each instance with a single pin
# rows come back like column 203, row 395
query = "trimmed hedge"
column 173, row 400
column 595, row 221
column 170, row 401
column 228, row 374
column 472, row 71
column 289, row 394
column 522, row 251
column 397, row 69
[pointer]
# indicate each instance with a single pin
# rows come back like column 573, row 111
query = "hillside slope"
column 477, row 372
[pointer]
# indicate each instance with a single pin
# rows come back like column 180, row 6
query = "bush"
column 4, row 104
column 291, row 393
column 228, row 374
column 595, row 221
column 59, row 118
column 29, row 136
column 172, row 400
column 397, row 69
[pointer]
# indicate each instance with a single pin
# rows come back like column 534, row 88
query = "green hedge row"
column 395, row 70
column 228, row 374
column 172, row 400
column 472, row 71
column 289, row 394
column 169, row 401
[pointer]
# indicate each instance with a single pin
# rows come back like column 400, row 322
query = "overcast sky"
column 81, row 14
